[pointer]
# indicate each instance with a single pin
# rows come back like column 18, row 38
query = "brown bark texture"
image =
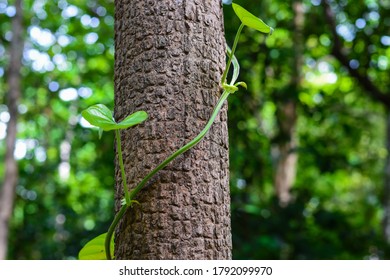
column 169, row 59
column 7, row 192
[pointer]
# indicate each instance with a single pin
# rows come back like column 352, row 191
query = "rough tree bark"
column 287, row 116
column 7, row 192
column 169, row 59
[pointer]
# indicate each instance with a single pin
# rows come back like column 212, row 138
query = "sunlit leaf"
column 99, row 115
column 133, row 119
column 94, row 249
column 250, row 20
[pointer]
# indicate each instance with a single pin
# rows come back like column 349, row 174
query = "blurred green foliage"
column 337, row 211
column 65, row 190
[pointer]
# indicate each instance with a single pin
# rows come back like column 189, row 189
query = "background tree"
column 7, row 192
column 286, row 141
column 169, row 61
column 65, row 68
column 340, row 154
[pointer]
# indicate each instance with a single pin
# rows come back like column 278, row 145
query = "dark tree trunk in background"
column 287, row 117
column 169, row 59
column 7, row 192
column 286, row 166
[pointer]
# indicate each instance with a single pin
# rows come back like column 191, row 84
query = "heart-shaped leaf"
column 94, row 249
column 133, row 119
column 250, row 20
column 99, row 115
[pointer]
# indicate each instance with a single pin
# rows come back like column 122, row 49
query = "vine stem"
column 130, row 196
column 119, row 149
column 183, row 149
column 232, row 53
column 111, row 229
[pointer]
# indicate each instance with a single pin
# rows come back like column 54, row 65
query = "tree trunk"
column 169, row 59
column 287, row 156
column 287, row 117
column 7, row 192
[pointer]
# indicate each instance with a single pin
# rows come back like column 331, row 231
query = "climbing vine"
column 102, row 246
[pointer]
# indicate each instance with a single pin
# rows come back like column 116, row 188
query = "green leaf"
column 133, row 119
column 99, row 115
column 94, row 249
column 250, row 20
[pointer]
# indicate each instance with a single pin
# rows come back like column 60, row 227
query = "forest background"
column 309, row 141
